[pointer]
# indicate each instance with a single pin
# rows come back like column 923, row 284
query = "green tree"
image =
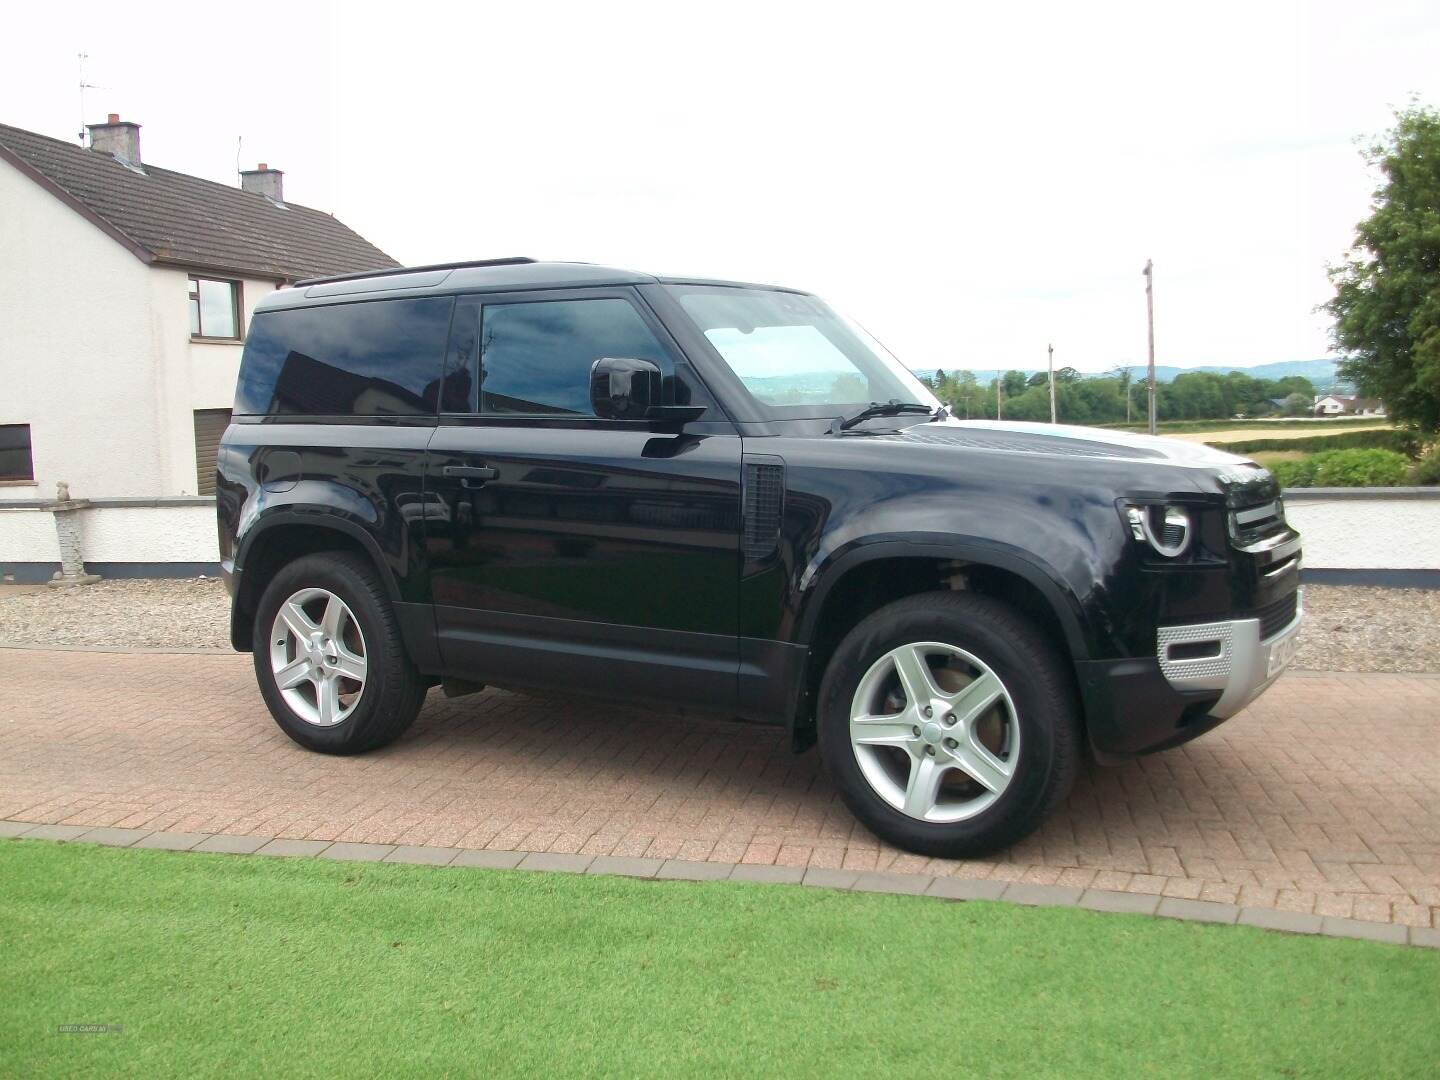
column 1122, row 375
column 1387, row 295
column 1014, row 383
column 965, row 393
column 1298, row 404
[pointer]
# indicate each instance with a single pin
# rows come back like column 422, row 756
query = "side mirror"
column 624, row 388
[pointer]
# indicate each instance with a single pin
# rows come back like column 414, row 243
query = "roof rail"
column 512, row 261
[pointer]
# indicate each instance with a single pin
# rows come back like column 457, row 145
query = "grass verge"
column 226, row 965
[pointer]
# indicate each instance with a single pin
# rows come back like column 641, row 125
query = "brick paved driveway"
column 1324, row 797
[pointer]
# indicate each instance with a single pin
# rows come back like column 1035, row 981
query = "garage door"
column 210, row 425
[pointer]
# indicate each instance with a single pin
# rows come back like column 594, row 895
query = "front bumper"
column 1228, row 657
column 1201, row 675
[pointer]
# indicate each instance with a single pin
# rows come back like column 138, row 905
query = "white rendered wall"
column 1345, row 533
column 1371, row 533
column 28, row 536
column 76, row 358
column 192, row 374
column 96, row 355
column 125, row 534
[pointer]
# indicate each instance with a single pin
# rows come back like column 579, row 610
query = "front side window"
column 15, row 460
column 374, row 358
column 535, row 357
column 214, row 309
column 793, row 354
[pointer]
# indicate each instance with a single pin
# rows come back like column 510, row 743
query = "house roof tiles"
column 171, row 217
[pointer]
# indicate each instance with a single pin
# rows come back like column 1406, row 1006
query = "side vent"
column 764, row 503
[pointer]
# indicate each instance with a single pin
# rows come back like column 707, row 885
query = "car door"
column 569, row 551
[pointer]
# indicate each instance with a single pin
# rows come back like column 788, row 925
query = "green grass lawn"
column 232, row 966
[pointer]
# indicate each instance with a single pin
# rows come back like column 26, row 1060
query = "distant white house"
column 125, row 295
column 1339, row 405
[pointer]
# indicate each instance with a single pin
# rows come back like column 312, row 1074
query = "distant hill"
column 1320, row 372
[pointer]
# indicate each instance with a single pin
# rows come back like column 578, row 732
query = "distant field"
column 1270, row 458
column 1241, row 432
column 1265, row 428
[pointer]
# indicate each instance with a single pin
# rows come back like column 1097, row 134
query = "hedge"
column 1164, row 427
column 1345, row 468
column 1402, row 442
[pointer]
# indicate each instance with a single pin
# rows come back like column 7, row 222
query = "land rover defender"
column 706, row 495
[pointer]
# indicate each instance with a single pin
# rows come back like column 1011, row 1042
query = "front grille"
column 1251, row 523
column 1275, row 616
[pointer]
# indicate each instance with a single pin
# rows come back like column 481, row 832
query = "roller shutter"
column 210, row 425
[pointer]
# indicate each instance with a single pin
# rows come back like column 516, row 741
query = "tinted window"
column 535, row 358
column 376, row 358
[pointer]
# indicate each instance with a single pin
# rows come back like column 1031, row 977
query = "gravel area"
column 187, row 613
column 1350, row 628
column 1347, row 628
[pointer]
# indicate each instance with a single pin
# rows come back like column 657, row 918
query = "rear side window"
column 535, row 357
column 377, row 358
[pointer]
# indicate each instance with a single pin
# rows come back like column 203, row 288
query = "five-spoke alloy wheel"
column 949, row 723
column 317, row 653
column 934, row 732
column 329, row 658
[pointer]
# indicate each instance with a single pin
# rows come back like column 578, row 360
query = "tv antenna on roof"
column 83, row 87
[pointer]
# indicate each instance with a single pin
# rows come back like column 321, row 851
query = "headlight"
column 1168, row 529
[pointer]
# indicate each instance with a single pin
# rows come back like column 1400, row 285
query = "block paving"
column 1322, row 800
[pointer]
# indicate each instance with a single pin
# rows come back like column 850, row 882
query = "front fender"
column 829, row 567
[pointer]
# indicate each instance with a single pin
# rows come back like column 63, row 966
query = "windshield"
column 794, row 355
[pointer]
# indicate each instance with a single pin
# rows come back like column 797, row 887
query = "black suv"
column 725, row 497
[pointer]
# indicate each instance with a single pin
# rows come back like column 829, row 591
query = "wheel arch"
column 857, row 582
column 280, row 538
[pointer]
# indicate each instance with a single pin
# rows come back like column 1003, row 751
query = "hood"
column 1065, row 440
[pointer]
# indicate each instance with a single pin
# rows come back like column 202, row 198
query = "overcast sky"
column 968, row 183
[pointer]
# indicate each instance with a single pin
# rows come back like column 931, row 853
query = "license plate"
column 1281, row 653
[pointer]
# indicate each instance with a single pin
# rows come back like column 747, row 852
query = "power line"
column 1149, row 273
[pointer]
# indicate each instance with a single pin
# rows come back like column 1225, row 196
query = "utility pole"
column 999, row 395
column 1052, row 382
column 1149, row 273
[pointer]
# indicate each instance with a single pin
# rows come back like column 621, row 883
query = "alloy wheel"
column 317, row 653
column 935, row 732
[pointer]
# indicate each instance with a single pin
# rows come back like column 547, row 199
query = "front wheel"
column 329, row 659
column 949, row 724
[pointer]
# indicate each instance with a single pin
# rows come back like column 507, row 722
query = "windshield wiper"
column 893, row 407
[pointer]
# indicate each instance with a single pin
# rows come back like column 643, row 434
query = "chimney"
column 119, row 138
column 265, row 181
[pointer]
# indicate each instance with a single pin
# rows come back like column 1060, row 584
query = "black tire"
column 1038, row 684
column 393, row 691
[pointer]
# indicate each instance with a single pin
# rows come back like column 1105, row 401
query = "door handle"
column 470, row 472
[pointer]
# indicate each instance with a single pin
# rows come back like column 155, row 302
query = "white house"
column 125, row 293
column 1341, row 405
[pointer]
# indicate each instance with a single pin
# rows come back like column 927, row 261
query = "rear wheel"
column 329, row 659
column 949, row 724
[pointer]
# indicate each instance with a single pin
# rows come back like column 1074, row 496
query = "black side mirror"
column 624, row 388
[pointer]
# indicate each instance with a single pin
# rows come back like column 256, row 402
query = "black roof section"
column 171, row 217
column 479, row 275
column 514, row 260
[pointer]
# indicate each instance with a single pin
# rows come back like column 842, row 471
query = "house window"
column 214, row 309
column 210, row 425
column 15, row 462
